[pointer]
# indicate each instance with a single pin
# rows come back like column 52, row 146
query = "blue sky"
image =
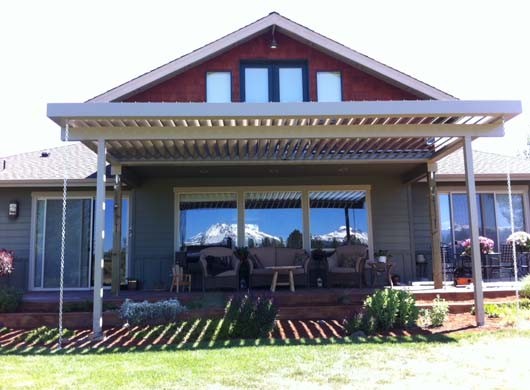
column 70, row 51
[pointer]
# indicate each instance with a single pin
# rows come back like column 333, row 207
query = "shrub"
column 10, row 299
column 360, row 322
column 385, row 310
column 525, row 286
column 436, row 316
column 147, row 313
column 391, row 309
column 248, row 317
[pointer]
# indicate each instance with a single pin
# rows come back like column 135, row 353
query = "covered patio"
column 404, row 138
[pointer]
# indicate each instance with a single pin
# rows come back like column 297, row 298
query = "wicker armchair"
column 346, row 265
column 226, row 279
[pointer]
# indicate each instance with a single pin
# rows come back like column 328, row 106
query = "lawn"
column 472, row 360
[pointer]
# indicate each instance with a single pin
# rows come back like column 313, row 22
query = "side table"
column 378, row 269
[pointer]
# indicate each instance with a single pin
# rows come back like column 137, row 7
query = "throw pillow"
column 216, row 265
column 347, row 261
column 256, row 262
column 299, row 259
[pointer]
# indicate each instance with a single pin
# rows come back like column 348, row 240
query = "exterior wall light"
column 13, row 210
column 274, row 44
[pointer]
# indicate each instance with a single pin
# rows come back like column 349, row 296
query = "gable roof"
column 490, row 166
column 289, row 28
column 48, row 165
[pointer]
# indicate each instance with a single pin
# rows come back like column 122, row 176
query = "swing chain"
column 514, row 253
column 63, row 243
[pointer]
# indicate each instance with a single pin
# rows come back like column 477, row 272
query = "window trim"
column 36, row 196
column 329, row 71
column 274, row 77
column 230, row 83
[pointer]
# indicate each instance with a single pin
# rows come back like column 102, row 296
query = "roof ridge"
column 292, row 28
column 73, row 143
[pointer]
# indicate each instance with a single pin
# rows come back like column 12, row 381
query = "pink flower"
column 6, row 262
column 486, row 245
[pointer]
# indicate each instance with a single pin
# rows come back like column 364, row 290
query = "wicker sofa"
column 346, row 265
column 226, row 279
column 260, row 258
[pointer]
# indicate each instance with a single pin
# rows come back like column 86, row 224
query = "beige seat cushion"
column 231, row 272
column 343, row 270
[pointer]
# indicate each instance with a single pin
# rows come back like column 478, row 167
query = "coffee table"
column 284, row 269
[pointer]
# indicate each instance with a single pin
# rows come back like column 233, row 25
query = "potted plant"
column 486, row 246
column 241, row 253
column 461, row 277
column 382, row 255
column 6, row 262
column 318, row 253
column 521, row 239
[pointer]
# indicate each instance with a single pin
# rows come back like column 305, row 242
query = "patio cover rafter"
column 365, row 130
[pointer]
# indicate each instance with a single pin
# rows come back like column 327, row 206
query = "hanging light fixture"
column 274, row 44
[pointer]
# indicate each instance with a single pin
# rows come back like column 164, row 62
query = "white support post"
column 435, row 226
column 99, row 236
column 473, row 227
column 240, row 219
column 116, row 238
column 306, row 233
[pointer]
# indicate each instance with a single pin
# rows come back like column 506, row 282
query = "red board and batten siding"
column 190, row 86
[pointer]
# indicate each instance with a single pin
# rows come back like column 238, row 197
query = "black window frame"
column 273, row 68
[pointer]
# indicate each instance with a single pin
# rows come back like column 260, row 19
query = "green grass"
column 485, row 360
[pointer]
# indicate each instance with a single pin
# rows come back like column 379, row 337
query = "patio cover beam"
column 266, row 132
column 432, row 108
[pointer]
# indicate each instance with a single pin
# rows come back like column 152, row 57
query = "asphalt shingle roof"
column 39, row 166
column 484, row 163
column 82, row 164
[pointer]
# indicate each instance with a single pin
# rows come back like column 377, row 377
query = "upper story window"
column 279, row 81
column 218, row 87
column 329, row 87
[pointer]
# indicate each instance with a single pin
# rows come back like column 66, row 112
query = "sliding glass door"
column 78, row 254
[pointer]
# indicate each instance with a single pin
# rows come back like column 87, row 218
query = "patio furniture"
column 379, row 269
column 211, row 278
column 179, row 279
column 261, row 260
column 346, row 265
column 289, row 269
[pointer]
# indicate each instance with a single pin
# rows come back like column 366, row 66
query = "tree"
column 295, row 239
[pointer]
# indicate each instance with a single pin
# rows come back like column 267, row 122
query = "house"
column 269, row 130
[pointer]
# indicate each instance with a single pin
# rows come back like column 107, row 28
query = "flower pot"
column 463, row 281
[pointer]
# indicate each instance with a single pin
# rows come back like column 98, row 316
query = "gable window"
column 278, row 81
column 329, row 88
column 218, row 87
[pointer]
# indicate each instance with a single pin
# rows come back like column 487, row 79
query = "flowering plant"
column 521, row 239
column 486, row 245
column 6, row 262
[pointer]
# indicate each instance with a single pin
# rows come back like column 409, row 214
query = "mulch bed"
column 184, row 335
